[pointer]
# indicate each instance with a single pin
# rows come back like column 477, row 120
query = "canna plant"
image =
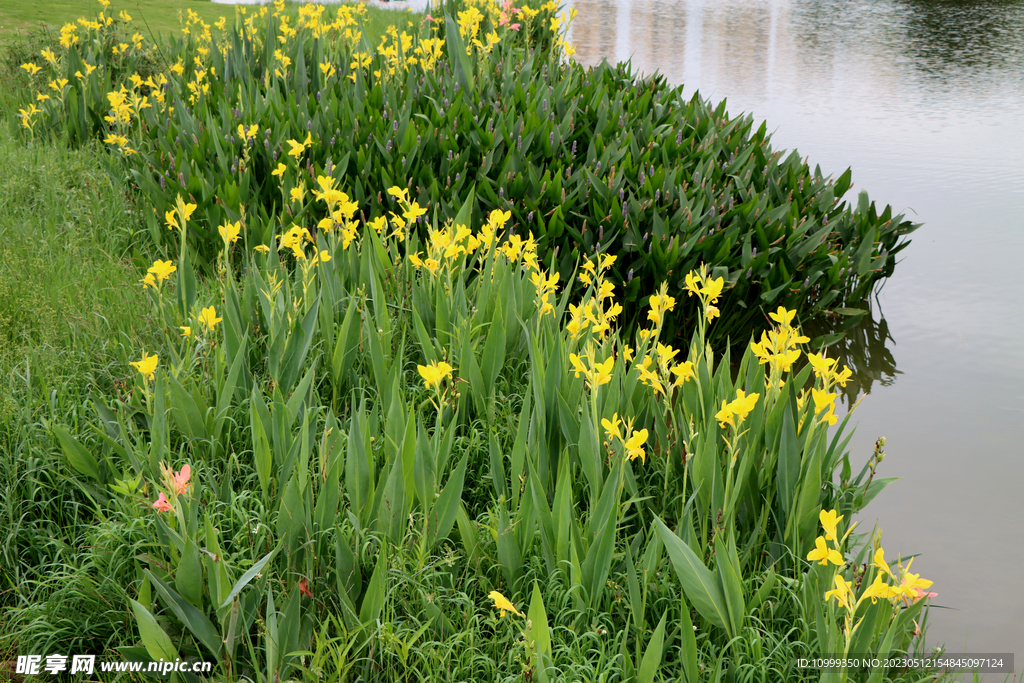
column 381, row 374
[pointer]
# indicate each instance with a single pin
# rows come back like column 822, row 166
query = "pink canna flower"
column 181, row 480
column 162, row 504
column 514, row 27
column 429, row 18
column 304, row 588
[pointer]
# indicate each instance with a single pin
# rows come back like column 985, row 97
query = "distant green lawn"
column 161, row 16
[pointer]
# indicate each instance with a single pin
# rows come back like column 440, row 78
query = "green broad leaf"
column 538, row 618
column 156, row 641
column 598, row 560
column 291, row 515
column 193, row 618
column 444, row 510
column 247, row 577
column 465, row 214
column 373, row 601
column 186, row 289
column 652, row 657
column 299, row 339
column 874, row 489
column 689, row 645
column 188, row 577
column 730, row 580
column 698, row 582
column 187, row 414
column 469, row 370
column 789, row 460
column 391, row 512
column 358, row 463
column 345, row 345
column 509, row 554
column 301, row 393
column 457, row 57
column 259, row 421
column 81, row 459
column 494, row 349
column 350, row 579
column 426, row 343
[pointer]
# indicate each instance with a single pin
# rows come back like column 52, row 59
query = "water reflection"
column 924, row 99
column 863, row 345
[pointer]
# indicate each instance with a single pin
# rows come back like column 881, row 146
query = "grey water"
column 924, row 99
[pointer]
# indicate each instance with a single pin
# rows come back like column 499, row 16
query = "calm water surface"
column 925, row 100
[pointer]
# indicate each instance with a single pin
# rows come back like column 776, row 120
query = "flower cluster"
column 734, row 412
column 778, row 347
column 632, row 444
column 663, row 374
column 706, row 289
column 596, row 373
column 904, row 585
column 593, row 313
column 158, row 273
column 175, row 482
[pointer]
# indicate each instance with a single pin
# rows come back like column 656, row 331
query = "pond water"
column 925, row 101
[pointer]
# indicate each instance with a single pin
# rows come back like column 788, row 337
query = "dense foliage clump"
column 586, row 160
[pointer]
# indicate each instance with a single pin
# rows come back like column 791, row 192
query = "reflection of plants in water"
column 987, row 36
column 857, row 340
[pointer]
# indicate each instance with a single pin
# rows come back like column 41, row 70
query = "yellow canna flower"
column 611, row 427
column 229, row 232
column 627, row 353
column 822, row 366
column 712, row 288
column 262, row 248
column 298, row 193
column 743, row 404
column 502, row 604
column 186, row 331
column 31, row 68
column 162, row 269
column 829, row 521
column 279, row 171
column 881, row 563
column 725, row 416
column 208, row 318
column 634, row 446
column 825, row 554
column 379, row 223
column 413, row 212
column 683, row 372
column 879, row 589
column 399, row 193
column 434, row 374
column 149, row 281
column 147, row 366
column 782, row 316
column 843, row 593
column 692, row 284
